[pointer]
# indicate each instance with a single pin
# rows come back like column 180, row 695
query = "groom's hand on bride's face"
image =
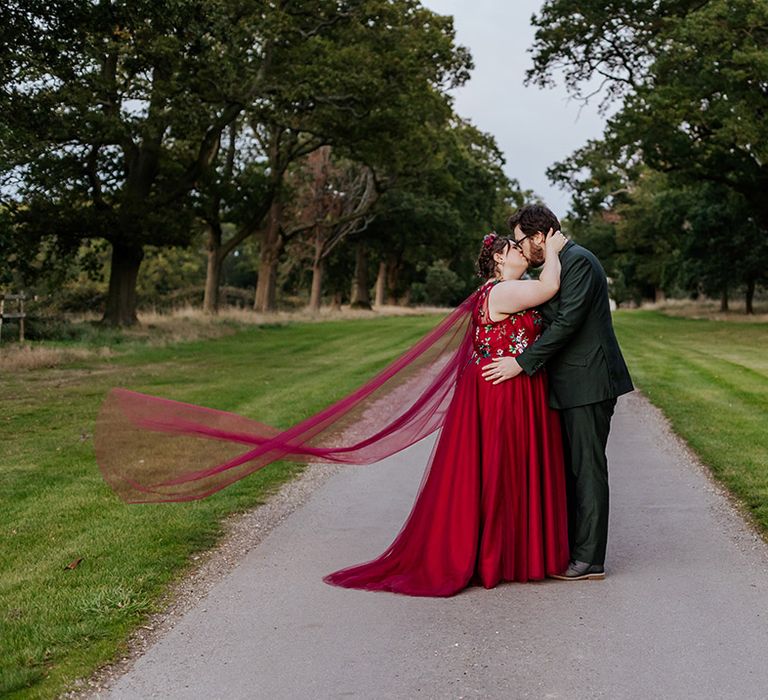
column 501, row 369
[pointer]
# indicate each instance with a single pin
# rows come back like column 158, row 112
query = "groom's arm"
column 575, row 303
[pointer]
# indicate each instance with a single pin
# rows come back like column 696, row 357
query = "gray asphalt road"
column 682, row 614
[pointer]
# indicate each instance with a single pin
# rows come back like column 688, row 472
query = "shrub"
column 441, row 286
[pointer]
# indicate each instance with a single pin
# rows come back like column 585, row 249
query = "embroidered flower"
column 519, row 342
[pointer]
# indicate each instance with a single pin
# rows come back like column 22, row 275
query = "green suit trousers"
column 585, row 435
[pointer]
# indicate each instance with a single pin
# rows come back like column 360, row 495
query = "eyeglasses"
column 516, row 244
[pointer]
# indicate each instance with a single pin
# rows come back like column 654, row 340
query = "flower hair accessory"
column 489, row 238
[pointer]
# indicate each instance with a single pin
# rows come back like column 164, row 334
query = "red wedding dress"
column 492, row 504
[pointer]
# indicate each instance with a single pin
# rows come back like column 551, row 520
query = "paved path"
column 682, row 614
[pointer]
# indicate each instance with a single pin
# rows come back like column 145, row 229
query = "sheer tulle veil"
column 151, row 449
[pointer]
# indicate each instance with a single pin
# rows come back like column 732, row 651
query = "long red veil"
column 151, row 449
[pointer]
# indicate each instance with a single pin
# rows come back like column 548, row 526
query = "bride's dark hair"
column 492, row 244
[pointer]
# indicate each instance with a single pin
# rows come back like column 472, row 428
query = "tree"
column 113, row 111
column 652, row 233
column 441, row 287
column 404, row 57
column 430, row 215
column 718, row 252
column 689, row 74
column 599, row 180
column 380, row 114
column 335, row 202
column 236, row 193
column 360, row 294
column 701, row 116
column 441, row 210
column 602, row 48
column 651, row 228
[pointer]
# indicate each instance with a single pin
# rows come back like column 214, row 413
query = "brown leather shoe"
column 581, row 571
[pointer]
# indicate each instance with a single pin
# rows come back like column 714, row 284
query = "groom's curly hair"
column 533, row 218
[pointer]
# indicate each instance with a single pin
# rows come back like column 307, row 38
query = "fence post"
column 22, row 316
column 19, row 299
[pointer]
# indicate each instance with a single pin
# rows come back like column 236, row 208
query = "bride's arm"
column 515, row 295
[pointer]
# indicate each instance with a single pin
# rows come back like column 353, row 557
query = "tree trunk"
column 212, row 277
column 750, row 297
column 271, row 244
column 213, row 272
column 360, row 297
column 724, row 298
column 266, row 297
column 381, row 283
column 316, row 295
column 121, row 296
column 336, row 301
column 393, row 272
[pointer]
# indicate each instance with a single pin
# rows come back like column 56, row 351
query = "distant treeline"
column 307, row 149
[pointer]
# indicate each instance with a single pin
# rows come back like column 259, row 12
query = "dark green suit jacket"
column 578, row 345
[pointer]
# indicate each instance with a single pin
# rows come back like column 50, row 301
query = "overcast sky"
column 534, row 127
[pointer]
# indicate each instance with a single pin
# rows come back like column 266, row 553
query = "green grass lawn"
column 58, row 624
column 710, row 378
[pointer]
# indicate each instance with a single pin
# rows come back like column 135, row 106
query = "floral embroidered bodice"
column 510, row 336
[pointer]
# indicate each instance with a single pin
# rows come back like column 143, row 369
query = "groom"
column 586, row 373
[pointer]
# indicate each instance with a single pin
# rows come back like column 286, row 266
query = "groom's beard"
column 536, row 258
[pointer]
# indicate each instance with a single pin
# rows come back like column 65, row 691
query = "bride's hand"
column 555, row 241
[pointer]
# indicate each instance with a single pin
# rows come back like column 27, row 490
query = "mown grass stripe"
column 708, row 379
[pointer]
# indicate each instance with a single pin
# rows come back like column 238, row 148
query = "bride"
column 492, row 505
